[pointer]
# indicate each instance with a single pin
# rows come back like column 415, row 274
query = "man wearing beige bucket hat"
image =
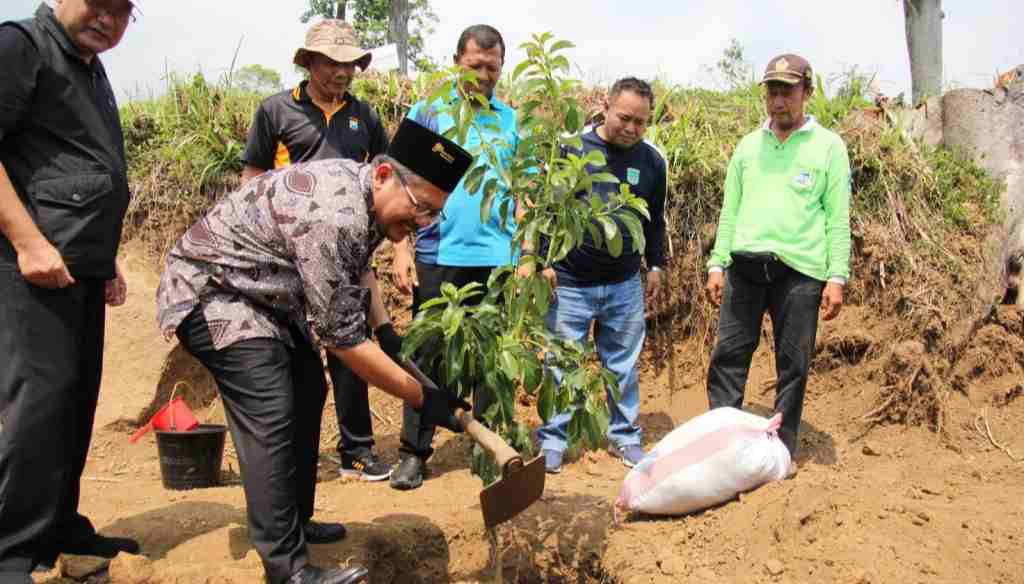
column 316, row 120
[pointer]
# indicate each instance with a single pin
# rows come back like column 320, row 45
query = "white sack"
column 708, row 460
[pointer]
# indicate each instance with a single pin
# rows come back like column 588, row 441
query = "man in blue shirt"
column 460, row 248
column 592, row 286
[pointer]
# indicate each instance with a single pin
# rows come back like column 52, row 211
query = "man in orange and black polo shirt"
column 320, row 119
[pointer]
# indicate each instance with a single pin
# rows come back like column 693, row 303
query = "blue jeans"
column 793, row 305
column 618, row 310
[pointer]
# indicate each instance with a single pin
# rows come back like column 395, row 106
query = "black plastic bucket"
column 191, row 460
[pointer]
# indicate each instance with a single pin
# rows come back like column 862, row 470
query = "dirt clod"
column 130, row 569
column 774, row 567
column 81, row 567
column 672, row 565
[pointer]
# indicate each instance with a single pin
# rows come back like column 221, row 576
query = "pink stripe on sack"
column 693, row 453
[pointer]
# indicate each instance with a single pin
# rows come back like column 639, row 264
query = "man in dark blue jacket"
column 63, row 196
column 592, row 286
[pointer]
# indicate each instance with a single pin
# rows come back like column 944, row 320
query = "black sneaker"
column 365, row 466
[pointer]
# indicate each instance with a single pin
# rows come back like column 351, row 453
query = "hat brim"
column 339, row 53
column 787, row 78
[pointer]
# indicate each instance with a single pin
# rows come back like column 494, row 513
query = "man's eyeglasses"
column 421, row 210
column 119, row 12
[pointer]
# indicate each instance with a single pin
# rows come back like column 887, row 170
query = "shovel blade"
column 516, row 490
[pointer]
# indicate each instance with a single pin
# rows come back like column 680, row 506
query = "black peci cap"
column 435, row 158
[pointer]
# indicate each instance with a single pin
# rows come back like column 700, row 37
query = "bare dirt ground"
column 871, row 504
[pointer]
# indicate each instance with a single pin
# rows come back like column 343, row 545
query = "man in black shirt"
column 320, row 119
column 63, row 195
column 592, row 286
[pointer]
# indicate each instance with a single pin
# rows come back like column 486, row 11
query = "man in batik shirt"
column 282, row 261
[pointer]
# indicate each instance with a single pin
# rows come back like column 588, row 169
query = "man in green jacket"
column 783, row 244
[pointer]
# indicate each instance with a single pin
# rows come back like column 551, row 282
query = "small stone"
column 130, row 569
column 870, row 450
column 81, row 567
column 774, row 567
column 672, row 566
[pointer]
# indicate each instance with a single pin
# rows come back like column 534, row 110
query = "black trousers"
column 793, row 306
column 352, row 406
column 417, row 437
column 51, row 362
column 274, row 398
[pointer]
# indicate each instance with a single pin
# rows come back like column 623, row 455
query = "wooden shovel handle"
column 493, row 443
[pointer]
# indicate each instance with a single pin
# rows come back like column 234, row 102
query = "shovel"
column 520, row 485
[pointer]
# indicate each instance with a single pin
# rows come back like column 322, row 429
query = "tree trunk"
column 398, row 32
column 340, row 8
column 924, row 45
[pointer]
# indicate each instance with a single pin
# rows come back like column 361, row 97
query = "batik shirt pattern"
column 288, row 247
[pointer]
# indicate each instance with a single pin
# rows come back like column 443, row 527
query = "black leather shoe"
column 315, row 575
column 317, row 532
column 408, row 475
column 102, row 546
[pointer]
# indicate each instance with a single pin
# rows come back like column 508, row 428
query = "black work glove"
column 439, row 406
column 390, row 341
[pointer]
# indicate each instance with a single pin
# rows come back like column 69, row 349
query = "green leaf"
column 533, row 372
column 542, row 295
column 432, row 303
column 636, row 230
column 520, row 69
column 560, row 63
column 595, row 234
column 506, row 397
column 505, row 212
column 575, row 429
column 605, row 177
column 453, row 365
column 474, row 178
column 450, row 292
column 568, row 244
column 546, row 401
column 609, row 226
column 615, row 244
column 416, row 338
column 593, row 430
column 572, row 120
column 451, row 321
column 596, row 158
column 509, row 365
column 491, row 188
column 560, row 45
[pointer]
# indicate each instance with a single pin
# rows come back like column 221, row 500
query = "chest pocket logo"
column 804, row 180
column 633, row 176
column 353, row 124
